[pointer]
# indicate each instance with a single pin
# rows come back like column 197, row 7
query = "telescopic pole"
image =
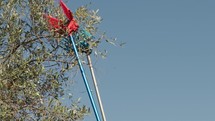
column 85, row 79
column 96, row 88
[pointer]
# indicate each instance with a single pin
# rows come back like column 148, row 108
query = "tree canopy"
column 33, row 66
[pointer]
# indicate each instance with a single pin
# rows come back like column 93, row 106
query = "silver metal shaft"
column 85, row 79
column 96, row 88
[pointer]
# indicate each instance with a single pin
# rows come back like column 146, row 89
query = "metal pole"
column 85, row 79
column 96, row 87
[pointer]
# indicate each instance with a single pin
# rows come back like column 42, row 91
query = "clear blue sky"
column 166, row 70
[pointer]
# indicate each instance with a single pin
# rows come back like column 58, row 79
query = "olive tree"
column 33, row 66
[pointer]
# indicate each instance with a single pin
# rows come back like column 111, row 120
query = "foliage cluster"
column 33, row 66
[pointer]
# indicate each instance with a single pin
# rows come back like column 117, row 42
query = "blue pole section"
column 85, row 79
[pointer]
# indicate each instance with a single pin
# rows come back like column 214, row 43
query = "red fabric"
column 54, row 22
column 66, row 10
column 73, row 26
column 58, row 25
